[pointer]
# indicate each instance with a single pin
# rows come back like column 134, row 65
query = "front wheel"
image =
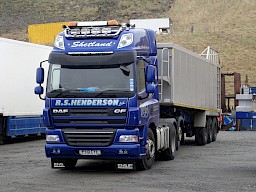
column 148, row 160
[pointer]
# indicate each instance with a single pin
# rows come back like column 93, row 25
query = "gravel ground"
column 229, row 164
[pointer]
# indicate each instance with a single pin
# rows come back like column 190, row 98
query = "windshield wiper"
column 110, row 90
column 61, row 91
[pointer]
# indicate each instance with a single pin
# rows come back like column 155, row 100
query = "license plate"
column 89, row 152
column 128, row 166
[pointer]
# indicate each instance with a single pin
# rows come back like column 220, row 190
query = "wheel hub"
column 150, row 148
column 180, row 133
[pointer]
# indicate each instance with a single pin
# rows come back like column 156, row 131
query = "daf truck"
column 113, row 93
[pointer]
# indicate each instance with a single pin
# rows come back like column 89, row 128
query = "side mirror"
column 39, row 90
column 40, row 75
column 150, row 74
column 150, row 88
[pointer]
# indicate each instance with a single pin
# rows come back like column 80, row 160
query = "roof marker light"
column 72, row 23
column 112, row 22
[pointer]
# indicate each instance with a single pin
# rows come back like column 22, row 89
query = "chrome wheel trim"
column 150, row 148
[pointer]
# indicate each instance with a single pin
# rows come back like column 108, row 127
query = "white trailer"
column 159, row 25
column 190, row 84
column 20, row 109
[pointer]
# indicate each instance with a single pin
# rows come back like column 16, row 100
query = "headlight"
column 59, row 42
column 85, row 31
column 106, row 30
column 75, row 31
column 95, row 31
column 128, row 138
column 125, row 40
column 52, row 138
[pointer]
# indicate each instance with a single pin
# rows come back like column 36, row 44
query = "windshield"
column 90, row 81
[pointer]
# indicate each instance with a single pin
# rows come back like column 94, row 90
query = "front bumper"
column 127, row 151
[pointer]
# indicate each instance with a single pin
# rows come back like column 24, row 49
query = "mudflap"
column 57, row 163
column 1, row 140
column 126, row 165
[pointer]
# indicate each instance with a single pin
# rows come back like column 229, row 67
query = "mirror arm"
column 140, row 97
column 144, row 59
column 42, row 98
column 41, row 63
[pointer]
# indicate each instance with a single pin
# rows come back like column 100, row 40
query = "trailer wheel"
column 214, row 129
column 148, row 160
column 201, row 136
column 179, row 137
column 169, row 154
column 209, row 130
column 182, row 141
column 70, row 163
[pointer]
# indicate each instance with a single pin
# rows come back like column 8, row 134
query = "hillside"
column 229, row 26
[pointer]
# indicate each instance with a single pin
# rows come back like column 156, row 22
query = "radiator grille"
column 89, row 116
column 89, row 138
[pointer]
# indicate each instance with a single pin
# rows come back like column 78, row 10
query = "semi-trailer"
column 20, row 110
column 113, row 93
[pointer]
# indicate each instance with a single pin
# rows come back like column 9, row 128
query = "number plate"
column 89, row 152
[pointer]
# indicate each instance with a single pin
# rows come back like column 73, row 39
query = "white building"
column 160, row 26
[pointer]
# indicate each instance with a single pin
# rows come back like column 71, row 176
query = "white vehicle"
column 20, row 109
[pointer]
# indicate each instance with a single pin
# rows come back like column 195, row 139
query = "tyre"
column 1, row 140
column 182, row 142
column 148, row 160
column 201, row 136
column 214, row 129
column 179, row 137
column 169, row 154
column 209, row 130
column 70, row 163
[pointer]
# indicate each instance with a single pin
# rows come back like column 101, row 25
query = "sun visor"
column 117, row 58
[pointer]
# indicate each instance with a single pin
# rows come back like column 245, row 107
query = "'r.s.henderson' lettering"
column 87, row 102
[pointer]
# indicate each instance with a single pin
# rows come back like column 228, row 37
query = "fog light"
column 128, row 138
column 52, row 138
column 57, row 151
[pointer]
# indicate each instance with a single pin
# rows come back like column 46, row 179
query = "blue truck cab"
column 101, row 99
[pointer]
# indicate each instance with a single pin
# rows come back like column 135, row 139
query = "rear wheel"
column 209, row 130
column 169, row 153
column 179, row 137
column 201, row 136
column 214, row 129
column 148, row 160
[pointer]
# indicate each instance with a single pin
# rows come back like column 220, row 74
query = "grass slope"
column 229, row 26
